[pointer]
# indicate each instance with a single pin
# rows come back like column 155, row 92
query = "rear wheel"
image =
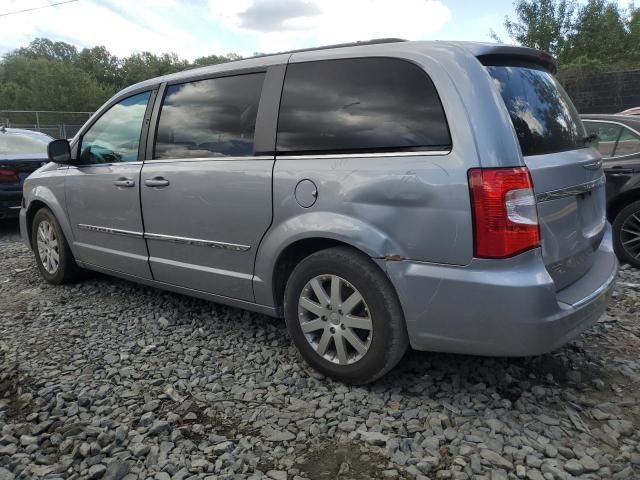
column 344, row 316
column 53, row 256
column 626, row 234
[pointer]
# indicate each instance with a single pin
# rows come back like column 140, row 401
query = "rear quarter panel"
column 416, row 207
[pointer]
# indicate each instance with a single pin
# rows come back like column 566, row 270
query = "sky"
column 195, row 28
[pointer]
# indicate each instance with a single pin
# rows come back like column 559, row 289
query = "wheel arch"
column 621, row 201
column 44, row 198
column 284, row 246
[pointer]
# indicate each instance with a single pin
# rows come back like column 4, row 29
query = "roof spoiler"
column 489, row 54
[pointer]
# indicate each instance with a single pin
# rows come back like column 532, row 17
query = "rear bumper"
column 500, row 308
column 10, row 200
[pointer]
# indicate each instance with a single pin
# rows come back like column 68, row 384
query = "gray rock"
column 496, row 459
column 280, row 436
column 574, row 467
column 277, row 474
column 374, row 438
column 116, row 470
column 97, row 471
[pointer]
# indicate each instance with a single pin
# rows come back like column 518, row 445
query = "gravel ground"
column 108, row 379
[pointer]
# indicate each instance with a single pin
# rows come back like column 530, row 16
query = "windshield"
column 10, row 143
column 543, row 116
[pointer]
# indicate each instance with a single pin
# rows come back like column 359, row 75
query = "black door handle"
column 156, row 182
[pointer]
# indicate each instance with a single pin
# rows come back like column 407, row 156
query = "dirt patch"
column 331, row 461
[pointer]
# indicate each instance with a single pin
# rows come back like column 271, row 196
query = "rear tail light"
column 505, row 219
column 9, row 176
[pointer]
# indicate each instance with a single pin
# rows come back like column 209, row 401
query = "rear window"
column 360, row 105
column 543, row 116
column 10, row 143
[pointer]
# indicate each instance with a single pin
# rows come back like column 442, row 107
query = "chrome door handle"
column 124, row 182
column 156, row 182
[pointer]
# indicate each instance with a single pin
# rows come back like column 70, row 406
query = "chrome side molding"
column 166, row 238
column 112, row 231
column 571, row 191
column 197, row 241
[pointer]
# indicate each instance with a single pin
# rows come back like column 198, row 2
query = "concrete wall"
column 602, row 92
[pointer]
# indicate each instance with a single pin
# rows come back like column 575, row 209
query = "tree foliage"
column 595, row 34
column 48, row 75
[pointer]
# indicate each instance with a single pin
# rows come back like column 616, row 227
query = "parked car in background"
column 21, row 153
column 618, row 141
column 631, row 111
column 440, row 195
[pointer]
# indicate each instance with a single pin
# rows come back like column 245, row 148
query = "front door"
column 206, row 197
column 103, row 191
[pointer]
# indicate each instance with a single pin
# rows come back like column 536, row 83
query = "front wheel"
column 53, row 255
column 344, row 317
column 626, row 234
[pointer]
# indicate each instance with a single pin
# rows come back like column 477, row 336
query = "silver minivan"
column 377, row 195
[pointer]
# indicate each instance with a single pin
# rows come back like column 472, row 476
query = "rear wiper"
column 590, row 138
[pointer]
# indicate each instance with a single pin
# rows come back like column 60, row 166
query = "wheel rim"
column 335, row 319
column 48, row 247
column 630, row 235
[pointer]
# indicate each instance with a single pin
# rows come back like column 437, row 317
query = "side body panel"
column 407, row 204
column 106, row 219
column 203, row 229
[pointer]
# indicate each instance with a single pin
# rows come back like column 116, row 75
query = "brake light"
column 8, row 176
column 505, row 219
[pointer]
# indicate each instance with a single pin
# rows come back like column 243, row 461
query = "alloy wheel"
column 48, row 248
column 335, row 319
column 630, row 235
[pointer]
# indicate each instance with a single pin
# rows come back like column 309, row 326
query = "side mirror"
column 59, row 151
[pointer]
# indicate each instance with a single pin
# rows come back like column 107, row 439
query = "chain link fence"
column 57, row 124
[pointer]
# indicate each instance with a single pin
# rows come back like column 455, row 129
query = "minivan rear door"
column 567, row 174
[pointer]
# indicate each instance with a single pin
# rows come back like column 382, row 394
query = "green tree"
column 45, row 48
column 48, row 75
column 145, row 65
column 592, row 35
column 600, row 33
column 543, row 24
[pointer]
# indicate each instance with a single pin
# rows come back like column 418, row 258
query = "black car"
column 618, row 140
column 21, row 152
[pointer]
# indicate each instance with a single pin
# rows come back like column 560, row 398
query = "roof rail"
column 374, row 41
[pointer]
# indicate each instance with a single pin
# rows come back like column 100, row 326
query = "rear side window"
column 628, row 144
column 359, row 105
column 606, row 136
column 543, row 116
column 209, row 118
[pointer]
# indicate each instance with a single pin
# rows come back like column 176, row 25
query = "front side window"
column 606, row 136
column 115, row 136
column 628, row 144
column 542, row 114
column 360, row 105
column 209, row 118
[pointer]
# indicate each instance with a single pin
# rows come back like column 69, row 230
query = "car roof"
column 628, row 120
column 365, row 48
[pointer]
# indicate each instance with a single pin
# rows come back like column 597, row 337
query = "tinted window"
column 544, row 118
column 10, row 143
column 359, row 104
column 628, row 144
column 209, row 118
column 115, row 136
column 606, row 136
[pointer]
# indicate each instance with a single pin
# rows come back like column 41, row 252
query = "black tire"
column 629, row 253
column 67, row 270
column 388, row 340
